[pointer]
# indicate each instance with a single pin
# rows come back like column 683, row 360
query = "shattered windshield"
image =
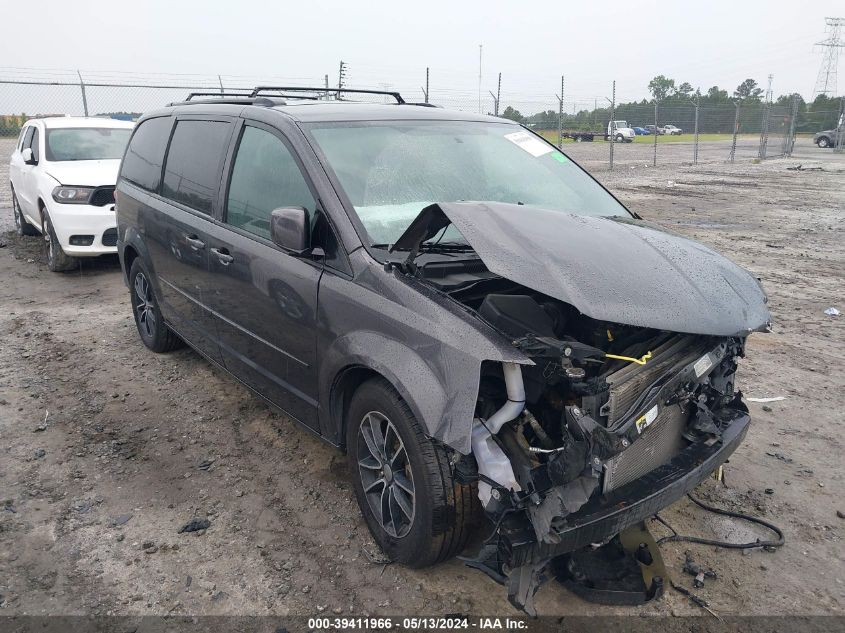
column 391, row 170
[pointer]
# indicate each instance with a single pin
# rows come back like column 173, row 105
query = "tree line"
column 676, row 105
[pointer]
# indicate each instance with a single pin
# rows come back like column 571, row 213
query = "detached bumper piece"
column 629, row 570
column 516, row 559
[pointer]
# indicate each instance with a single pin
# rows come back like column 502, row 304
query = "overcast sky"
column 531, row 43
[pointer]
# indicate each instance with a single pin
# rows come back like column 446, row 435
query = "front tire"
column 823, row 142
column 57, row 260
column 415, row 510
column 22, row 227
column 620, row 138
column 152, row 329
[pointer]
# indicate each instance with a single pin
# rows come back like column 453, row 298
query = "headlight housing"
column 72, row 195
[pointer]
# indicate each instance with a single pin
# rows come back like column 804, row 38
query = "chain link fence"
column 673, row 132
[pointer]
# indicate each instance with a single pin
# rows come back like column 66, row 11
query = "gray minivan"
column 481, row 326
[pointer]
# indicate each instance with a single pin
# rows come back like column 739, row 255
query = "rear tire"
column 57, row 260
column 22, row 227
column 152, row 329
column 415, row 510
column 823, row 142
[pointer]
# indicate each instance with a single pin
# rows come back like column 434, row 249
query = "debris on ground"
column 831, row 311
column 39, row 453
column 195, row 525
column 780, row 456
column 379, row 558
column 120, row 520
column 802, row 168
column 701, row 602
column 839, row 513
column 761, row 400
column 697, row 571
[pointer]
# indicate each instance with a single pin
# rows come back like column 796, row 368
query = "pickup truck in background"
column 671, row 130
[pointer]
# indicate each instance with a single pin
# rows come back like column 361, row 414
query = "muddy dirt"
column 109, row 450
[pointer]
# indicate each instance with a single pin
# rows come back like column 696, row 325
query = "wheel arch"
column 359, row 356
column 346, row 383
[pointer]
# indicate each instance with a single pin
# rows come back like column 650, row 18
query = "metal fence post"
column 788, row 136
column 426, row 84
column 736, row 131
column 654, row 158
column 84, row 98
column 560, row 117
column 839, row 145
column 611, row 136
column 764, row 132
column 695, row 142
column 498, row 94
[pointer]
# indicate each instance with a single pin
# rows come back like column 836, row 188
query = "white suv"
column 63, row 172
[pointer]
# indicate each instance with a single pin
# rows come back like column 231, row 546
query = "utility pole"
column 769, row 94
column 341, row 75
column 220, row 81
column 480, row 47
column 826, row 81
column 327, row 87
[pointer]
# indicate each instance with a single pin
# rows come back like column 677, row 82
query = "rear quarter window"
column 145, row 154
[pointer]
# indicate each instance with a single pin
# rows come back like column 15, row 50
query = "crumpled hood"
column 611, row 269
column 84, row 173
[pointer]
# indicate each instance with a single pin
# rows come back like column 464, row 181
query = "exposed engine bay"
column 603, row 405
column 625, row 399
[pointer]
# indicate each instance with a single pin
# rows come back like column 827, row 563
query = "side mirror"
column 290, row 229
column 28, row 158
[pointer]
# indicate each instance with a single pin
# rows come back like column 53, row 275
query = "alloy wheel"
column 144, row 305
column 386, row 475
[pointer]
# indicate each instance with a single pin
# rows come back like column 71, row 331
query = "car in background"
column 830, row 138
column 653, row 129
column 62, row 174
column 641, row 131
column 671, row 130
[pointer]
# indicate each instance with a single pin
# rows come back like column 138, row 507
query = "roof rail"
column 226, row 99
column 242, row 95
column 337, row 91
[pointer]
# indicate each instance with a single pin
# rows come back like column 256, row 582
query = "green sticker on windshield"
column 560, row 157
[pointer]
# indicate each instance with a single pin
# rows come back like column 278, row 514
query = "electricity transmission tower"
column 826, row 81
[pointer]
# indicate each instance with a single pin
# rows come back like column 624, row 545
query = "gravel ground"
column 108, row 450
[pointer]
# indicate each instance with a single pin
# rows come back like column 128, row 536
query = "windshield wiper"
column 434, row 247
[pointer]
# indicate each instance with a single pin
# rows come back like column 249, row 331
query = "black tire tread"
column 168, row 340
column 62, row 262
column 26, row 228
column 456, row 505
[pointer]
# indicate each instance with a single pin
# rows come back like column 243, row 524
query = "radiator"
column 662, row 438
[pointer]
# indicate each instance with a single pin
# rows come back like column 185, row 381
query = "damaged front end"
column 634, row 336
column 601, row 432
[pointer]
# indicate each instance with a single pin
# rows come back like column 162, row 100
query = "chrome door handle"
column 223, row 256
column 194, row 242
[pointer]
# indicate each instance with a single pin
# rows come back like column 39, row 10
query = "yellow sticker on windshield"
column 530, row 143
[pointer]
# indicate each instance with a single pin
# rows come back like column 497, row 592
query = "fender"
column 430, row 386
